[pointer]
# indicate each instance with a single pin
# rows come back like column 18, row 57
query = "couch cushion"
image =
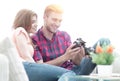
column 4, row 68
column 16, row 69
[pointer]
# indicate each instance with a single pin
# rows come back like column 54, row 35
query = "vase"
column 104, row 69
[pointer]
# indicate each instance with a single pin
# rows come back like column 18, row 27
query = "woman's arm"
column 23, row 44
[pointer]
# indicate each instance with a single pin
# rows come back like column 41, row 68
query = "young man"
column 55, row 46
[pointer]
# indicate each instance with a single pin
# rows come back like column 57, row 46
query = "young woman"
column 25, row 24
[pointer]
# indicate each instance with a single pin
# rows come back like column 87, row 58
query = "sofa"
column 12, row 69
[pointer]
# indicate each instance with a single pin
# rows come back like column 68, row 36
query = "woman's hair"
column 23, row 19
column 53, row 8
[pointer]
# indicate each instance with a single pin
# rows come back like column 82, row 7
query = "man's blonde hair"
column 53, row 8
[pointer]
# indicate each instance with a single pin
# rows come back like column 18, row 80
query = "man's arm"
column 69, row 54
column 58, row 61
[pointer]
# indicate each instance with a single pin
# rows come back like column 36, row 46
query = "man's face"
column 34, row 25
column 52, row 21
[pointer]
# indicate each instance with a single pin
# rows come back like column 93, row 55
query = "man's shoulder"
column 59, row 32
column 63, row 34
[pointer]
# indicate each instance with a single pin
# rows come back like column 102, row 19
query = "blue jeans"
column 85, row 67
column 46, row 72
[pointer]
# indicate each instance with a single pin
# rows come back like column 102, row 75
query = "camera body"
column 79, row 42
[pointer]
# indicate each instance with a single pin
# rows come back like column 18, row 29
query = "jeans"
column 46, row 72
column 85, row 67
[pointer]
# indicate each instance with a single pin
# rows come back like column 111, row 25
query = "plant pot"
column 104, row 69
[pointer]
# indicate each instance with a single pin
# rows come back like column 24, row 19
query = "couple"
column 48, row 56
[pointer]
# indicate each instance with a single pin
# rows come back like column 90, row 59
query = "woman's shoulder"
column 20, row 33
column 19, row 30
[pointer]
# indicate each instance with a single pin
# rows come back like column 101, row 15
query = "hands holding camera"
column 77, row 51
column 75, row 54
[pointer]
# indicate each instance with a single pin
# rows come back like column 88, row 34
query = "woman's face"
column 34, row 25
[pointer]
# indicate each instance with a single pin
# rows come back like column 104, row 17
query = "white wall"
column 89, row 19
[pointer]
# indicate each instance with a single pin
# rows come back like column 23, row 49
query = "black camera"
column 79, row 42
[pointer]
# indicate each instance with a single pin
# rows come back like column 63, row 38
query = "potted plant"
column 103, row 55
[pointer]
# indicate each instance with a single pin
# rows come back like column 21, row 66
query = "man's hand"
column 70, row 52
column 78, row 57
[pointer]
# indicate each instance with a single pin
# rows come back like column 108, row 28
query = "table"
column 94, row 77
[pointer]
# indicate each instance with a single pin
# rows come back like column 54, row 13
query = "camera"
column 79, row 42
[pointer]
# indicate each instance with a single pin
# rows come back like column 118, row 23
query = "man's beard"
column 49, row 30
